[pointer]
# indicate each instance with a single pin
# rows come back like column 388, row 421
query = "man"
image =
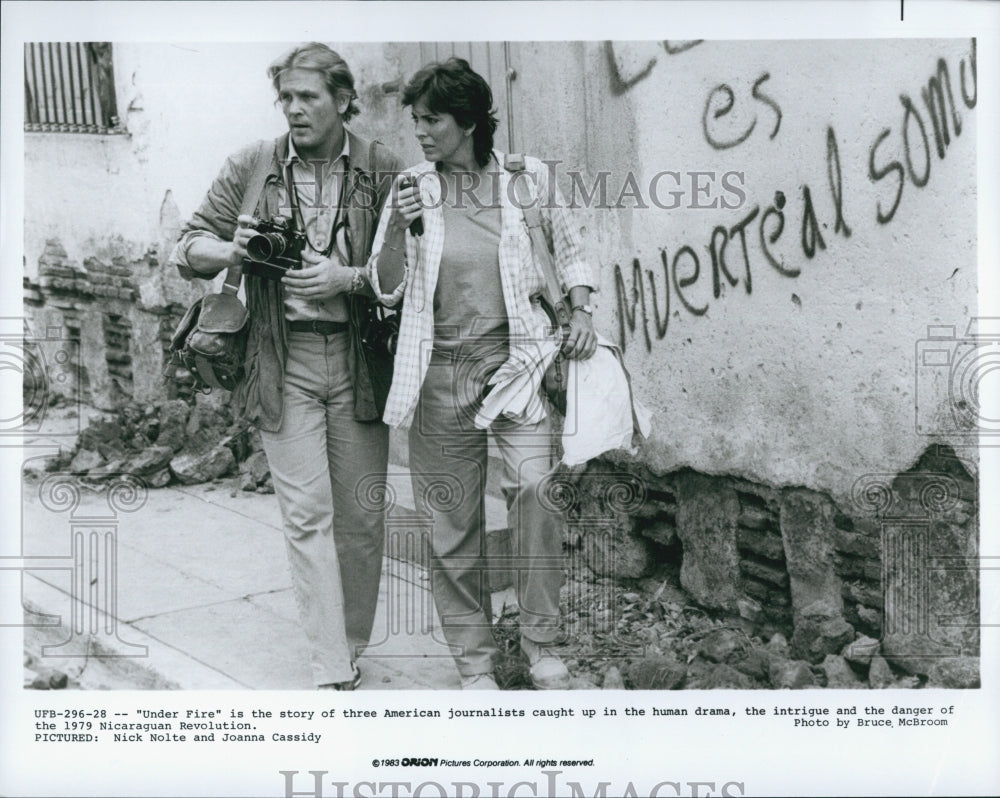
column 307, row 383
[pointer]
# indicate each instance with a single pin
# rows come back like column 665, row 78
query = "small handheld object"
column 275, row 248
column 417, row 225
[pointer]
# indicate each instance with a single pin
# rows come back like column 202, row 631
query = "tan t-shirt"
column 468, row 299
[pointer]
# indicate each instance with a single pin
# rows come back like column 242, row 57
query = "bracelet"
column 358, row 283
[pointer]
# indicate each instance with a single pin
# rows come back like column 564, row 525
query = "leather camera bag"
column 211, row 339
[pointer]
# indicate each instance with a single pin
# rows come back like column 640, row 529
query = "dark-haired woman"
column 468, row 285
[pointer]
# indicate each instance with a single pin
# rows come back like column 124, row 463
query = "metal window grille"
column 69, row 87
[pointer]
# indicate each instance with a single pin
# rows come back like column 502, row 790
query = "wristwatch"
column 585, row 308
column 358, row 283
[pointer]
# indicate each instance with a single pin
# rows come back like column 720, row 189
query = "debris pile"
column 649, row 636
column 169, row 443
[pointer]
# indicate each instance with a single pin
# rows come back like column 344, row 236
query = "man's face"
column 314, row 116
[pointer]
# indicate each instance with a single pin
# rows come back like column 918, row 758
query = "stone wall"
column 109, row 321
column 897, row 563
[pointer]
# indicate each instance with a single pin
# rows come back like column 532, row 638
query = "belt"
column 318, row 326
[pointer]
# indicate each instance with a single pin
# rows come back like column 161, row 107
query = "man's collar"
column 345, row 153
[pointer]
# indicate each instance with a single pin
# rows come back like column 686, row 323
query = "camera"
column 952, row 379
column 383, row 333
column 274, row 248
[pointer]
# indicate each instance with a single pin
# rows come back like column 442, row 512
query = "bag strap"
column 514, row 163
column 265, row 154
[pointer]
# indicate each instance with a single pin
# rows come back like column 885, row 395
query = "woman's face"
column 441, row 137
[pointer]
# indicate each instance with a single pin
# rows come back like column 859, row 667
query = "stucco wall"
column 800, row 373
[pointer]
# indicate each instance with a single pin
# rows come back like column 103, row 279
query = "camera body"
column 274, row 248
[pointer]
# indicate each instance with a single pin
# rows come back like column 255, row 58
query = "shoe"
column 351, row 685
column 547, row 670
column 479, row 681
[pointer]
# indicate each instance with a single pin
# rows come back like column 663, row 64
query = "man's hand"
column 581, row 343
column 240, row 237
column 319, row 277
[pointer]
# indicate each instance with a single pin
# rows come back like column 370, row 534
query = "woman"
column 467, row 280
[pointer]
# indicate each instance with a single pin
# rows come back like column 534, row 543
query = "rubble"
column 167, row 443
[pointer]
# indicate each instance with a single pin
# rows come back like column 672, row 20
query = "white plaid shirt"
column 520, row 278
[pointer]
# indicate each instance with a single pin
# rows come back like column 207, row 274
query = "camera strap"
column 339, row 220
column 261, row 164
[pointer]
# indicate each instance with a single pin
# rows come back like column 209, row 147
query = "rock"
column 192, row 468
column 104, row 436
column 662, row 532
column 85, row 460
column 707, row 512
column 818, row 634
column 790, row 675
column 749, row 609
column 582, row 683
column 778, row 645
column 172, row 422
column 41, row 682
column 109, row 470
column 908, row 683
column 150, row 460
column 256, row 466
column 880, row 675
column 710, row 676
column 839, row 675
column 613, row 679
column 160, row 479
column 206, row 423
column 58, row 680
column 247, row 482
column 720, row 644
column 871, row 617
column 267, row 487
column 807, row 531
column 756, row 664
column 861, row 650
column 954, row 672
column 656, row 673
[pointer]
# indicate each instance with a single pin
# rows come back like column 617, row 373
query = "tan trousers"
column 448, row 458
column 317, row 459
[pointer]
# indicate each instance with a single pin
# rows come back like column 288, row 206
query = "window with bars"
column 69, row 87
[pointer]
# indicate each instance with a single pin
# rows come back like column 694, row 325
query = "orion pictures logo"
column 956, row 376
column 38, row 372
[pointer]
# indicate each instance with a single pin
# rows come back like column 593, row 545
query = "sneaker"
column 547, row 670
column 479, row 681
column 351, row 685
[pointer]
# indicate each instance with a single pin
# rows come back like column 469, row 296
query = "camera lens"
column 262, row 247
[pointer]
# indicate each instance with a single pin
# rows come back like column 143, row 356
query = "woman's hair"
column 454, row 88
column 319, row 58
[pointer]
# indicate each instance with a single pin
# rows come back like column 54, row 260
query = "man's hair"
column 452, row 87
column 319, row 58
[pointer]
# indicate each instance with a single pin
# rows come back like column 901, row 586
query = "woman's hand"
column 581, row 343
column 406, row 205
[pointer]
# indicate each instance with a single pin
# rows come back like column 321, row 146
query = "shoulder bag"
column 211, row 339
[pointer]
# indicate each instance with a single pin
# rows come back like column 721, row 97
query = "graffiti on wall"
column 691, row 277
column 632, row 64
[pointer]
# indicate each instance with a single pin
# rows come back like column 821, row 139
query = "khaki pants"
column 317, row 459
column 448, row 458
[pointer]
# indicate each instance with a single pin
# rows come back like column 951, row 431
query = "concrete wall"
column 795, row 370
